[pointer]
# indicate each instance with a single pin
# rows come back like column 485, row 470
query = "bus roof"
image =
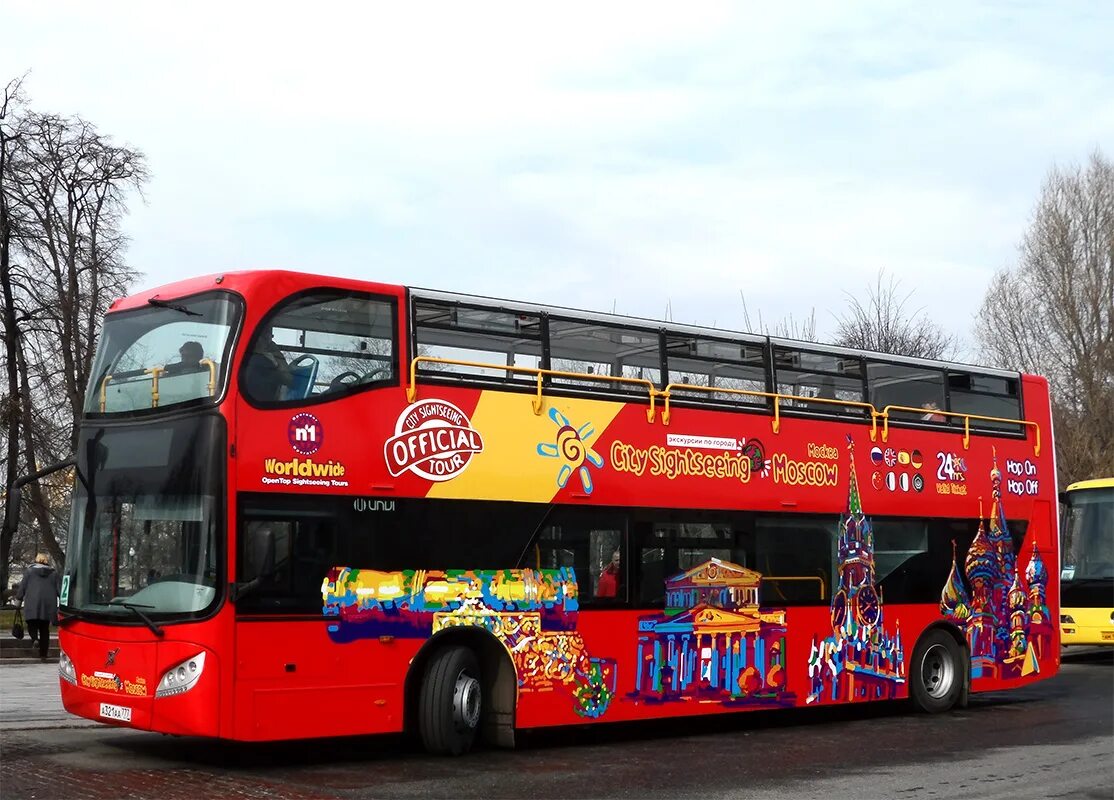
column 250, row 279
column 1094, row 483
column 698, row 330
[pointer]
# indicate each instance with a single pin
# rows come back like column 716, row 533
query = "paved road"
column 1053, row 739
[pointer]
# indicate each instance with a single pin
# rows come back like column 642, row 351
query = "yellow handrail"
column 666, row 394
column 208, row 362
column 104, row 391
column 966, row 423
column 777, row 397
column 823, row 585
column 155, row 372
column 539, row 373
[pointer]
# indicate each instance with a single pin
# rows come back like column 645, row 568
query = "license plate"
column 1108, row 636
column 118, row 713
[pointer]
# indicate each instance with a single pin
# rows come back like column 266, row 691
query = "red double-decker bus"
column 313, row 507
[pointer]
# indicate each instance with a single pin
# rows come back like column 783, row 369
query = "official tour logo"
column 305, row 433
column 433, row 439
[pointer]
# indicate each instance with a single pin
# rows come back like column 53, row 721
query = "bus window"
column 707, row 362
column 674, row 542
column 304, row 551
column 603, row 350
column 902, row 385
column 821, row 375
column 186, row 344
column 481, row 335
column 320, row 344
column 795, row 555
column 987, row 396
column 594, row 548
column 900, row 551
column 1088, row 535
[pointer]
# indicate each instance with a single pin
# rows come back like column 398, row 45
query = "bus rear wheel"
column 937, row 672
column 451, row 702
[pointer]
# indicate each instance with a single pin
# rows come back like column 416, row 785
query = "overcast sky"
column 597, row 155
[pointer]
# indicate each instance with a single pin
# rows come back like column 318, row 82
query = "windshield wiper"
column 68, row 614
column 150, row 623
column 173, row 307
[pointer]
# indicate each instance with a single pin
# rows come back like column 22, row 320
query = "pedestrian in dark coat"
column 38, row 592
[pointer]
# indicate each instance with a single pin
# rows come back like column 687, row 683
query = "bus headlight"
column 65, row 668
column 181, row 677
column 1065, row 619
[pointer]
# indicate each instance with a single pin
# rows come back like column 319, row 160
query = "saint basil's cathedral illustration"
column 1001, row 608
column 860, row 660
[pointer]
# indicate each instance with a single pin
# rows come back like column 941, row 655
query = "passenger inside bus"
column 931, row 412
column 268, row 374
column 609, row 578
column 190, row 355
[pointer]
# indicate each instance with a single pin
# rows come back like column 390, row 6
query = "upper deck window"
column 697, row 361
column 987, row 396
column 320, row 344
column 457, row 333
column 825, row 376
column 584, row 347
column 904, row 385
column 167, row 354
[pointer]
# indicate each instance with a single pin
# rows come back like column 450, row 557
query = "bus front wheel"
column 937, row 672
column 451, row 701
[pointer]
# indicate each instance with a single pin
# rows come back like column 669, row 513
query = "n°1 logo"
column 305, row 434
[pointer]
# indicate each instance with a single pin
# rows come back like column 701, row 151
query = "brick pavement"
column 26, row 771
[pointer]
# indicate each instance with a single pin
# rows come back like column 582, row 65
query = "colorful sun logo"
column 571, row 445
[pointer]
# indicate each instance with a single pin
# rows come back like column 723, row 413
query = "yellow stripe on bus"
column 510, row 466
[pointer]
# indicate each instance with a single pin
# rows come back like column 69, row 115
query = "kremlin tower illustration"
column 999, row 606
column 860, row 660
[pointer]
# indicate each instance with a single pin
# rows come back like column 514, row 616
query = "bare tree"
column 886, row 324
column 786, row 328
column 1052, row 313
column 10, row 133
column 65, row 187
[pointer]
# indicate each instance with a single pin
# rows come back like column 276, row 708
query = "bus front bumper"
column 164, row 686
column 1086, row 626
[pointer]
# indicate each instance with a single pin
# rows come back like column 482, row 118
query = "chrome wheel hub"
column 466, row 702
column 937, row 671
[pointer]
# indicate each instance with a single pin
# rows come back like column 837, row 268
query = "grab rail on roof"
column 666, row 395
column 966, row 423
column 539, row 374
column 777, row 397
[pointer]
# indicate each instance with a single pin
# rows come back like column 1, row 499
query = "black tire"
column 938, row 672
column 451, row 702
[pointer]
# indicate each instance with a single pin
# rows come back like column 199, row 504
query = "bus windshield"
column 1088, row 532
column 164, row 355
column 146, row 529
column 158, row 553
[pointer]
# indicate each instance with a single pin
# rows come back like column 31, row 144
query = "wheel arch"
column 499, row 681
column 952, row 630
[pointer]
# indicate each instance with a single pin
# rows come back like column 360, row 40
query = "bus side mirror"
column 1063, row 498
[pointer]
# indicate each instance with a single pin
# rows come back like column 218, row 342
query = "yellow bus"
column 1087, row 571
